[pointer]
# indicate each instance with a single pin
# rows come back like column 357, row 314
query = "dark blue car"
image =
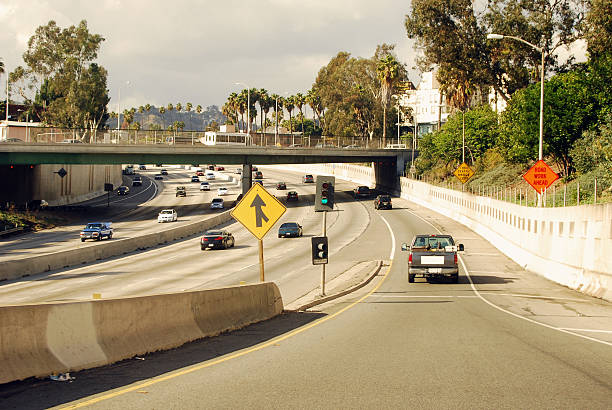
column 290, row 229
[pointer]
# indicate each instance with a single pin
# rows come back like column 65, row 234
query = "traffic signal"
column 324, row 198
column 319, row 250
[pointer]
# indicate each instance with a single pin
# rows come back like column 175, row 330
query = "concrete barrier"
column 105, row 249
column 39, row 340
column 569, row 245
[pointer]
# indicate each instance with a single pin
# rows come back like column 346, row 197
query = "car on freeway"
column 195, row 178
column 308, row 179
column 383, row 202
column 238, row 171
column 71, row 141
column 353, row 146
column 361, row 192
column 220, row 168
column 217, row 239
column 433, row 257
column 137, row 181
column 258, row 181
column 210, row 176
column 253, row 168
column 97, row 231
column 222, row 191
column 290, row 229
column 142, row 167
column 158, row 176
column 164, row 171
column 11, row 140
column 295, row 146
column 281, row 186
column 204, row 186
column 200, row 172
column 217, row 203
column 181, row 191
column 123, row 190
column 292, row 196
column 167, row 215
column 211, row 167
column 321, row 145
column 258, row 175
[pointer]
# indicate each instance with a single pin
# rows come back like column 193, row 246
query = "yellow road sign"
column 463, row 173
column 258, row 211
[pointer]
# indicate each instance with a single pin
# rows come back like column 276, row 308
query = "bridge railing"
column 54, row 135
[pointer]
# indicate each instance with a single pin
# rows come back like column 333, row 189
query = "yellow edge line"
column 224, row 359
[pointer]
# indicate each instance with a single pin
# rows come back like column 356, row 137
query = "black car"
column 217, row 239
column 195, row 178
column 211, row 167
column 142, row 167
column 289, row 229
column 258, row 181
column 158, row 176
column 383, row 202
column 180, row 191
column 292, row 196
column 281, row 185
column 123, row 190
column 163, row 172
column 258, row 175
column 137, row 181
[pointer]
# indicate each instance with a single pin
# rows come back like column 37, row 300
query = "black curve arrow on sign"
column 259, row 214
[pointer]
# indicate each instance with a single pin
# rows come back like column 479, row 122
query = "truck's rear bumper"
column 432, row 272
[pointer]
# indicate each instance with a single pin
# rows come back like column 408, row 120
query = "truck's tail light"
column 455, row 259
column 410, row 258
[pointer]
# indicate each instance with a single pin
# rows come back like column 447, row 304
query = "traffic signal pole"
column 324, row 229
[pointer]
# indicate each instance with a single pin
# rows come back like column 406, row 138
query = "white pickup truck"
column 433, row 256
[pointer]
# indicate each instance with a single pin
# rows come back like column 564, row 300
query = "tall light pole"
column 119, row 108
column 541, row 51
column 248, row 110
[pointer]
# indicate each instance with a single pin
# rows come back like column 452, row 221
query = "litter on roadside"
column 62, row 377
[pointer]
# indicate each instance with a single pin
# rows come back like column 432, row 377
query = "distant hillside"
column 193, row 121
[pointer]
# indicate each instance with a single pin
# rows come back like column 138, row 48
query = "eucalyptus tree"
column 388, row 69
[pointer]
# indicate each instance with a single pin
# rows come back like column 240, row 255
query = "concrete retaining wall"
column 39, row 340
column 82, row 182
column 104, row 249
column 570, row 245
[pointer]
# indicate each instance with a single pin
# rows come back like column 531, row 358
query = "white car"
column 217, row 203
column 210, row 176
column 167, row 215
column 204, row 186
column 222, row 191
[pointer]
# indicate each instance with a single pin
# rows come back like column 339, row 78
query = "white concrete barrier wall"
column 104, row 249
column 569, row 245
column 39, row 340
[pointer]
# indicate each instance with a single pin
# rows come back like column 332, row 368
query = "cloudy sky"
column 195, row 51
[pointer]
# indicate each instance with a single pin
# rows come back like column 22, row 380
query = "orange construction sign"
column 540, row 176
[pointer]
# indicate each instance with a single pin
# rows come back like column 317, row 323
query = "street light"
column 541, row 51
column 492, row 36
column 248, row 109
column 119, row 110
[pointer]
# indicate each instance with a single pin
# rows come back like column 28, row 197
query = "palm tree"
column 300, row 100
column 242, row 105
column 388, row 69
column 264, row 106
column 199, row 109
column 290, row 105
column 179, row 107
column 162, row 110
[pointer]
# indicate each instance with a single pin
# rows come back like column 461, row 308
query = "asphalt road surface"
column 500, row 338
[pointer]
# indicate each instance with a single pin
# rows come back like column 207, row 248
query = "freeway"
column 181, row 265
column 501, row 338
column 132, row 215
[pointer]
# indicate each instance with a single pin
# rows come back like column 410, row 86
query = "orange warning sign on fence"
column 540, row 176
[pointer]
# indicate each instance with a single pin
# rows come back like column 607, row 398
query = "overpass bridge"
column 18, row 162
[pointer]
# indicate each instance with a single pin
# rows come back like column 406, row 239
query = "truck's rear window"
column 432, row 242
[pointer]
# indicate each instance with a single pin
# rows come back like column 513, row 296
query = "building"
column 428, row 105
column 17, row 129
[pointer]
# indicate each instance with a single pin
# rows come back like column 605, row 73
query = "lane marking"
column 425, row 296
column 586, row 330
column 272, row 342
column 562, row 330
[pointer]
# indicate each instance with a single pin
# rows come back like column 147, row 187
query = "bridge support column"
column 247, row 177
